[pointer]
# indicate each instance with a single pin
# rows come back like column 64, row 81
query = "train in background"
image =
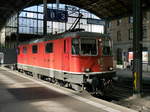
column 81, row 60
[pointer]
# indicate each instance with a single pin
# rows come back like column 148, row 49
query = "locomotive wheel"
column 61, row 83
column 76, row 87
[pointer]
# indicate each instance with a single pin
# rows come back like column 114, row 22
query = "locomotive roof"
column 67, row 34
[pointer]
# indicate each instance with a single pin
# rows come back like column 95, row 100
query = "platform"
column 22, row 93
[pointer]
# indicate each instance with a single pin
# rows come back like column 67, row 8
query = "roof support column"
column 17, row 33
column 45, row 17
column 57, row 2
column 106, row 26
column 137, row 47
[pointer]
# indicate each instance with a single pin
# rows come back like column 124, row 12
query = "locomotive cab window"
column 88, row 47
column 49, row 48
column 24, row 50
column 34, row 49
column 107, row 48
column 75, row 46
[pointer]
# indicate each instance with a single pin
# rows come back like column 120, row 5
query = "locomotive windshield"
column 85, row 47
column 88, row 47
column 107, row 48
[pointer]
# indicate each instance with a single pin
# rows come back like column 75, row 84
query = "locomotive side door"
column 66, row 58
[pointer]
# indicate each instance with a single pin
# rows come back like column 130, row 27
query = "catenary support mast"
column 137, row 47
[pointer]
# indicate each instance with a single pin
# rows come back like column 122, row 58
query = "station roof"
column 105, row 9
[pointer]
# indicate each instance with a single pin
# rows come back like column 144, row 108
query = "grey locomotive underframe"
column 65, row 76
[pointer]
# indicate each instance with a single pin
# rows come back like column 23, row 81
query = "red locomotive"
column 79, row 59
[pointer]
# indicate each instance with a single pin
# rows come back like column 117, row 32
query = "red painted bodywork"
column 61, row 60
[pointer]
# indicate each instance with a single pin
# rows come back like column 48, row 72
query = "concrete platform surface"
column 21, row 93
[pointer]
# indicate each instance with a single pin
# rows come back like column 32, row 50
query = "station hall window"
column 49, row 48
column 130, row 19
column 118, row 36
column 34, row 49
column 119, row 22
column 130, row 33
column 119, row 56
column 24, row 50
column 144, row 31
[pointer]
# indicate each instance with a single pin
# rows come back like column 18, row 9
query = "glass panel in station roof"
column 32, row 17
column 40, row 16
column 32, row 8
column 40, row 8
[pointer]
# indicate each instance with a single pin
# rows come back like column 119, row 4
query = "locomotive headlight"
column 87, row 70
column 110, row 68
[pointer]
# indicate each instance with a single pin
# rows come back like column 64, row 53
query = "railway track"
column 123, row 89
